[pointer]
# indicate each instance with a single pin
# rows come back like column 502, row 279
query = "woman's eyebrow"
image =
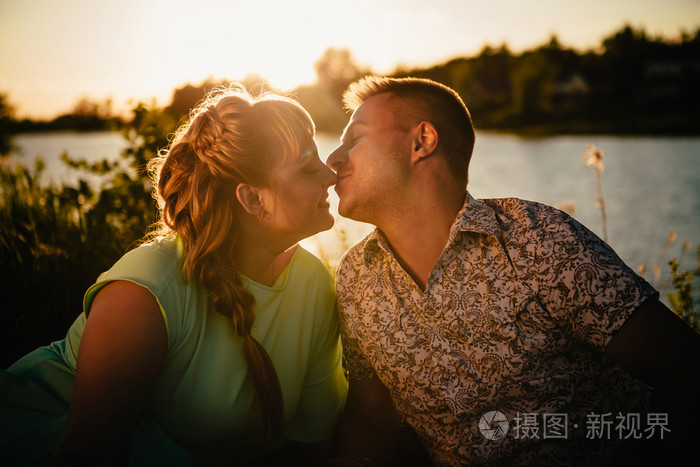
column 308, row 154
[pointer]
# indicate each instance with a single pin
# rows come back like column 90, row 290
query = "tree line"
column 630, row 83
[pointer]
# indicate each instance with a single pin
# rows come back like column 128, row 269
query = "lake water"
column 651, row 185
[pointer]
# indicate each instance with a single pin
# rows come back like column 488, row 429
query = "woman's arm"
column 370, row 425
column 121, row 352
column 657, row 347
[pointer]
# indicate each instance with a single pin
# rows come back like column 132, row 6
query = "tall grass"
column 56, row 240
column 685, row 285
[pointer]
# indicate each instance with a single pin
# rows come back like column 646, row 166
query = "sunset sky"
column 54, row 52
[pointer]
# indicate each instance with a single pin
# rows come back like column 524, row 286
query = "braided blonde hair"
column 231, row 138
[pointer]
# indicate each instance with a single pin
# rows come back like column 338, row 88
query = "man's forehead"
column 372, row 110
column 376, row 103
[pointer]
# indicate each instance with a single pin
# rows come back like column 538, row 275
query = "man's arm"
column 657, row 347
column 370, row 425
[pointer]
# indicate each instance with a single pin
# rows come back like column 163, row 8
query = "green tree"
column 336, row 69
column 325, row 109
column 186, row 97
column 6, row 119
column 489, row 86
column 86, row 115
column 56, row 240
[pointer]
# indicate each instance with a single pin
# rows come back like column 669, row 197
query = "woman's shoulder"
column 155, row 261
column 308, row 266
column 155, row 265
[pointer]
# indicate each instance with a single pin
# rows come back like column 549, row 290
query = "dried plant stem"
column 601, row 205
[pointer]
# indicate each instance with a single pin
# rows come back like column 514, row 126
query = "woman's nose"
column 336, row 158
column 329, row 177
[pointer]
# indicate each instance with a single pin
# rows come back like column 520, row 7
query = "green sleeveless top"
column 204, row 398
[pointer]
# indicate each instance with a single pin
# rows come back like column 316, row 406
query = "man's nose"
column 337, row 158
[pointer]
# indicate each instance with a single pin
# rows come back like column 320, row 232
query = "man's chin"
column 352, row 213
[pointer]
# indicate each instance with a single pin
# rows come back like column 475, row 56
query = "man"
column 503, row 331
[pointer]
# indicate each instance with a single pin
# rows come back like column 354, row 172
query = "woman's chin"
column 326, row 223
column 321, row 224
column 331, row 221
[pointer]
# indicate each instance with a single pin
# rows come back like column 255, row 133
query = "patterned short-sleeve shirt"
column 514, row 319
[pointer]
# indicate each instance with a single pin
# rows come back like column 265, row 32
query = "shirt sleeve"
column 154, row 267
column 582, row 281
column 325, row 385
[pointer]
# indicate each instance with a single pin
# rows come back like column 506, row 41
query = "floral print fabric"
column 514, row 318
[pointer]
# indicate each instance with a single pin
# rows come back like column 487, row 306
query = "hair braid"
column 232, row 138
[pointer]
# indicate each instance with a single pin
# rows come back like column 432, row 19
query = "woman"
column 214, row 341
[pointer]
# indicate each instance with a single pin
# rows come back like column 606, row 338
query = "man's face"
column 371, row 162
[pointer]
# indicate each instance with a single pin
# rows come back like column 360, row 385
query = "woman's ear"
column 425, row 141
column 251, row 199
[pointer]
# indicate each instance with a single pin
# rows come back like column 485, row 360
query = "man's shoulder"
column 358, row 259
column 522, row 214
column 355, row 256
column 519, row 207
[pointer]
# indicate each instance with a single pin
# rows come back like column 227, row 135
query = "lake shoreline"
column 679, row 128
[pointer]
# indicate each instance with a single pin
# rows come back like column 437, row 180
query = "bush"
column 55, row 241
column 683, row 298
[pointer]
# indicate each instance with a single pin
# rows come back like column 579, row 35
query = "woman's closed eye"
column 312, row 166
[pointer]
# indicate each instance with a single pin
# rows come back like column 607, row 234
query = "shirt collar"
column 475, row 216
column 375, row 243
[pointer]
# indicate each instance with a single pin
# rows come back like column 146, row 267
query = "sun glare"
column 279, row 42
column 53, row 53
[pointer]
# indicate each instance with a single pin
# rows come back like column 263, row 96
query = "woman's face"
column 299, row 192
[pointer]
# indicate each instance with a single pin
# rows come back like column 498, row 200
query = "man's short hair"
column 427, row 101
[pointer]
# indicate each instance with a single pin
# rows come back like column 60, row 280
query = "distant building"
column 569, row 93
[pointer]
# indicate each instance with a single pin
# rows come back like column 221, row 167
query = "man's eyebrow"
column 350, row 127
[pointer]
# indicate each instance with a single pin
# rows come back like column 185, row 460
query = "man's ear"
column 425, row 140
column 250, row 198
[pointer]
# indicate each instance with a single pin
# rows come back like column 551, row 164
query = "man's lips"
column 341, row 178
